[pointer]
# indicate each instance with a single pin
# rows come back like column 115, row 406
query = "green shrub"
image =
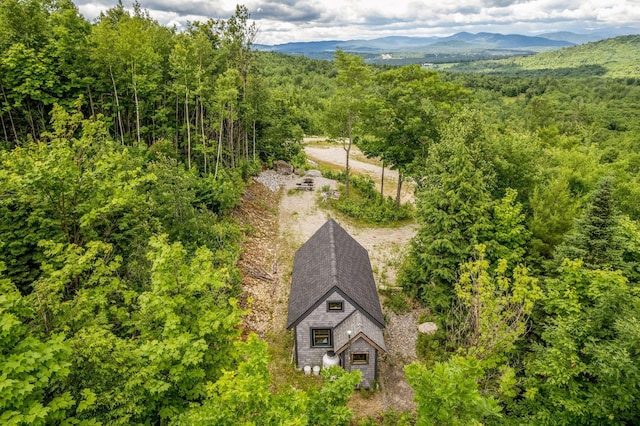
column 397, row 302
column 373, row 211
column 390, row 418
column 223, row 194
column 365, row 203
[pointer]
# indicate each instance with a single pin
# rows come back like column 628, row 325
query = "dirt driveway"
column 282, row 219
column 335, row 154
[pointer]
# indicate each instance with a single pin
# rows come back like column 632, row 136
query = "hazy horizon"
column 285, row 21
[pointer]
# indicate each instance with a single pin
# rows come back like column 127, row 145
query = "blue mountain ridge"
column 482, row 40
column 456, row 48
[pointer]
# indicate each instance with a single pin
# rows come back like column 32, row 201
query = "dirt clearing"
column 280, row 220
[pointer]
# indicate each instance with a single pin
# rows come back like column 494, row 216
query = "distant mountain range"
column 460, row 47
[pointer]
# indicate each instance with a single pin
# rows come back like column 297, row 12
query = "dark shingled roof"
column 332, row 260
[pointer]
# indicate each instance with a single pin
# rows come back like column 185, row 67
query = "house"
column 334, row 305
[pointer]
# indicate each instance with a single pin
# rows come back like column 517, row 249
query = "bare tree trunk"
column 43, row 120
column 135, row 97
column 30, row 117
column 4, row 128
column 204, row 139
column 231, row 147
column 254, row 140
column 215, row 175
column 93, row 111
column 115, row 93
column 13, row 126
column 399, row 188
column 176, row 135
column 382, row 183
column 187, row 119
column 246, row 143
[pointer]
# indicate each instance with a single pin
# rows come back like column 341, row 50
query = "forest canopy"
column 125, row 146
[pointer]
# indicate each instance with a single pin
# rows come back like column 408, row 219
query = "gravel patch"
column 274, row 180
column 401, row 335
column 267, row 266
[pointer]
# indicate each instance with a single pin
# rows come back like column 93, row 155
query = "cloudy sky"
column 282, row 21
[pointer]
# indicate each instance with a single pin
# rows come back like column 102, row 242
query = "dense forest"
column 125, row 145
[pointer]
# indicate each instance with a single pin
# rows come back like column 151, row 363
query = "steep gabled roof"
column 332, row 260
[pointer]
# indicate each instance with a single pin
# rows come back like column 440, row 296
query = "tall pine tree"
column 454, row 210
column 595, row 237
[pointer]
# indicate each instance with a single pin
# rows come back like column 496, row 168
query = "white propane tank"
column 330, row 359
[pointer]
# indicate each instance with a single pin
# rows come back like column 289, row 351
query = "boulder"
column 427, row 328
column 283, row 167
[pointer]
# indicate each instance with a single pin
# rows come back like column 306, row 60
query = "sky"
column 283, row 21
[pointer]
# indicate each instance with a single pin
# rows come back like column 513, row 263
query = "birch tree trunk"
column 13, row 126
column 215, row 175
column 187, row 119
column 204, row 139
column 135, row 97
column 115, row 93
column 254, row 140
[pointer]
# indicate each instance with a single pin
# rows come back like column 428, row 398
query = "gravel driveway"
column 300, row 214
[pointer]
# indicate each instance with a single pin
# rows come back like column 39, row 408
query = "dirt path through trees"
column 280, row 222
column 335, row 155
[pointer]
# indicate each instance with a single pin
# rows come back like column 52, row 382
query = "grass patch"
column 283, row 370
column 294, row 191
column 364, row 159
column 390, row 418
column 397, row 302
column 364, row 202
column 323, row 143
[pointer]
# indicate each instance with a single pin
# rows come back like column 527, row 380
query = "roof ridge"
column 332, row 248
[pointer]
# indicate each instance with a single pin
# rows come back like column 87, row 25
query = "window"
column 321, row 337
column 360, row 358
column 335, row 306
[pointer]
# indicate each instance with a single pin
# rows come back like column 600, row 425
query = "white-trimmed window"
column 321, row 337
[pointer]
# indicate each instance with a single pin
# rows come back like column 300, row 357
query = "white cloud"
column 281, row 21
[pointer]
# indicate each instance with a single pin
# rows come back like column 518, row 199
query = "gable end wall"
column 368, row 370
column 318, row 318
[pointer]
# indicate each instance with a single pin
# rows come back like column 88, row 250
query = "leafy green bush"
column 221, row 194
column 250, row 168
column 299, row 160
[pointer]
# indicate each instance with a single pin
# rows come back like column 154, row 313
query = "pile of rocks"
column 273, row 180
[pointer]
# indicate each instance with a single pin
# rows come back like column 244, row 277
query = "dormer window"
column 335, row 306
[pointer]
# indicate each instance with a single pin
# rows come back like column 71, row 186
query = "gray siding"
column 318, row 318
column 368, row 370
